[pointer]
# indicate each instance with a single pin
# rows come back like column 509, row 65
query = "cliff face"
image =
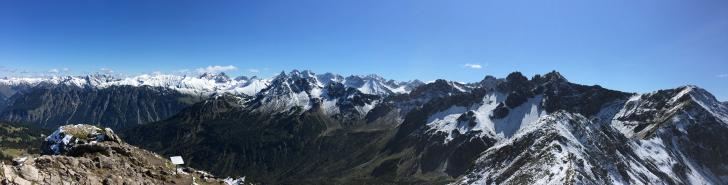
column 84, row 154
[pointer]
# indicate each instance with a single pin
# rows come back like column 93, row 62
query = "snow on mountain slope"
column 549, row 131
column 286, row 91
column 707, row 101
column 567, row 148
column 371, row 84
column 481, row 114
column 674, row 136
column 208, row 83
column 547, row 154
column 302, row 89
column 205, row 84
column 251, row 86
column 642, row 114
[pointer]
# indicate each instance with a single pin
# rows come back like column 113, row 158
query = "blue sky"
column 628, row 45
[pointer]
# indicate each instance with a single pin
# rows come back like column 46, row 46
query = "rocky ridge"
column 85, row 154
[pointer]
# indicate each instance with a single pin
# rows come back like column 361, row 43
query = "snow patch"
column 519, row 118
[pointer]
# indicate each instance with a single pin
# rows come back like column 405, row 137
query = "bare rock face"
column 85, row 154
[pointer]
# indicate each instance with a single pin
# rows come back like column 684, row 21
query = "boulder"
column 29, row 172
column 63, row 140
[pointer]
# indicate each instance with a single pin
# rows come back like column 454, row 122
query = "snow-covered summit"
column 218, row 78
column 303, row 89
column 371, row 84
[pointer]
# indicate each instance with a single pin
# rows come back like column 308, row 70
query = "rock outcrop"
column 85, row 154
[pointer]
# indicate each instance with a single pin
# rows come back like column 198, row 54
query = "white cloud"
column 56, row 70
column 216, row 69
column 473, row 66
column 724, row 75
column 253, row 70
column 106, row 70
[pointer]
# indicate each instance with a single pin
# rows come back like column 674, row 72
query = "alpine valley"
column 305, row 128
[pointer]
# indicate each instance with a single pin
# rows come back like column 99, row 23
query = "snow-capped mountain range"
column 210, row 83
column 513, row 130
column 157, row 96
column 304, row 127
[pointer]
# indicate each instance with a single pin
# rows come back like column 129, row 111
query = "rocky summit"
column 86, row 154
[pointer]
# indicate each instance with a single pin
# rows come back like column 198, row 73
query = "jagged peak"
column 416, row 81
column 441, row 82
column 489, row 77
column 550, row 78
column 489, row 82
column 97, row 76
column 282, row 74
column 219, row 77
column 243, row 78
column 308, row 74
column 516, row 76
column 293, row 82
column 439, row 85
column 297, row 74
column 554, row 76
column 375, row 77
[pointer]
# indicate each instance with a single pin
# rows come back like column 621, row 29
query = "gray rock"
column 21, row 181
column 29, row 172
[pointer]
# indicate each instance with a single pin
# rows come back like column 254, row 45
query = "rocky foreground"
column 85, row 154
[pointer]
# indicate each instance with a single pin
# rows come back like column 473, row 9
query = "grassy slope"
column 18, row 140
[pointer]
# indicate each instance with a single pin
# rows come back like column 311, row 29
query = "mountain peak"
column 297, row 74
column 489, row 82
column 554, row 76
column 293, row 82
column 516, row 77
column 705, row 99
column 695, row 92
column 219, row 77
column 242, row 78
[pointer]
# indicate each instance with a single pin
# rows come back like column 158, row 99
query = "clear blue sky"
column 627, row 45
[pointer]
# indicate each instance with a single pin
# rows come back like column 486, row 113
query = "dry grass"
column 13, row 152
column 80, row 132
